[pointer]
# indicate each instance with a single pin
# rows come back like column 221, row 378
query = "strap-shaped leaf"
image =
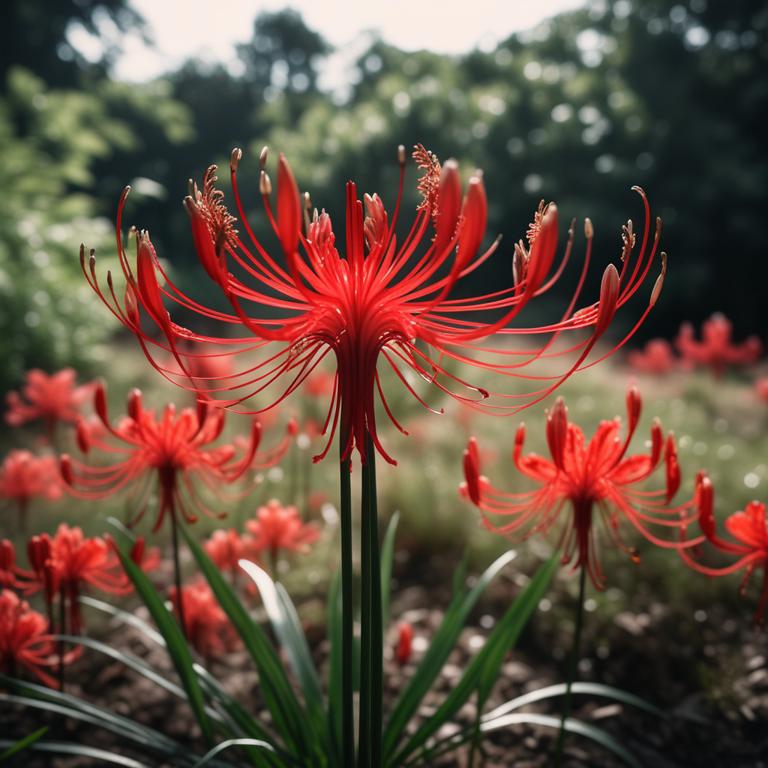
column 285, row 623
column 552, row 691
column 124, row 617
column 174, row 640
column 483, row 670
column 225, row 745
column 440, row 648
column 67, row 748
column 287, row 714
column 22, row 744
column 387, row 557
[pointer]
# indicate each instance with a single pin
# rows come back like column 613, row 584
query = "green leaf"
column 439, row 649
column 66, row 748
column 387, row 557
column 23, row 744
column 287, row 714
column 124, row 617
column 483, row 670
column 552, row 691
column 175, row 642
column 334, row 667
column 225, row 745
column 285, row 623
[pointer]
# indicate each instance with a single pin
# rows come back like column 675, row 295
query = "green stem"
column 573, row 663
column 62, row 631
column 177, row 569
column 347, row 607
column 371, row 646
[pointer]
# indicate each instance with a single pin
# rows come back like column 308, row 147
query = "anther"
column 265, row 184
column 235, row 158
column 401, row 155
column 589, row 230
column 263, row 156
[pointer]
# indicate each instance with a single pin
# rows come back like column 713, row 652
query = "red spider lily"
column 173, row 448
column 587, row 479
column 25, row 641
column 383, row 301
column 52, row 399
column 206, row 625
column 62, row 565
column 24, row 477
column 226, row 549
column 404, row 643
column 716, row 350
column 761, row 388
column 278, row 528
column 657, row 357
column 748, row 543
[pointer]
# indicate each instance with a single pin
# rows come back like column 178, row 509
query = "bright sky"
column 210, row 30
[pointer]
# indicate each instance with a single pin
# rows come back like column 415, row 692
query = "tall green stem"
column 347, row 608
column 177, row 569
column 62, row 631
column 573, row 663
column 371, row 646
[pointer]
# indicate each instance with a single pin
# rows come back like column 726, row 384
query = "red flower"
column 748, row 543
column 25, row 642
column 64, row 564
column 716, row 350
column 52, row 399
column 657, row 357
column 761, row 388
column 404, row 642
column 24, row 477
column 587, row 480
column 206, row 625
column 172, row 448
column 384, row 301
column 226, row 549
column 278, row 528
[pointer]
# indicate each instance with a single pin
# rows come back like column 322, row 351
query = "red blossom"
column 64, row 564
column 655, row 358
column 716, row 350
column 172, row 448
column 24, row 477
column 761, row 388
column 277, row 528
column 748, row 544
column 25, row 641
column 226, row 549
column 383, row 303
column 404, row 643
column 206, row 625
column 585, row 480
column 52, row 399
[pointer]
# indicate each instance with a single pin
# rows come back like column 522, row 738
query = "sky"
column 210, row 30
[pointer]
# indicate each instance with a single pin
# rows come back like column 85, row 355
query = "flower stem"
column 573, row 663
column 347, row 608
column 371, row 646
column 177, row 570
column 62, row 631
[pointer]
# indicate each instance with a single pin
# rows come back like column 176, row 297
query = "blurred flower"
column 404, row 642
column 24, row 477
column 381, row 302
column 590, row 480
column 206, row 625
column 716, row 350
column 25, row 641
column 748, row 543
column 51, row 399
column 62, row 565
column 761, row 388
column 657, row 357
column 278, row 528
column 172, row 448
column 226, row 549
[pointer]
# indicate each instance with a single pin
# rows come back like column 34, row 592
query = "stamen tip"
column 265, row 184
column 589, row 230
column 235, row 158
column 263, row 156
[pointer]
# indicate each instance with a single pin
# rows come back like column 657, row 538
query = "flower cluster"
column 582, row 482
column 385, row 301
column 51, row 399
column 172, row 448
column 716, row 349
column 25, row 477
column 748, row 543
